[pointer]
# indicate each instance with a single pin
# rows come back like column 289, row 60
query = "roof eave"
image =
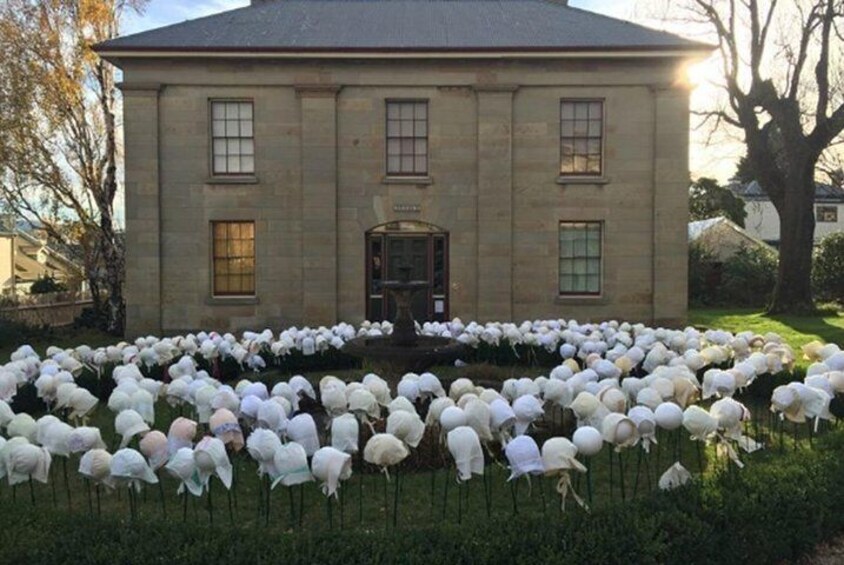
column 135, row 52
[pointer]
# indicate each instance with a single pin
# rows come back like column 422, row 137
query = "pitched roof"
column 754, row 191
column 402, row 26
column 700, row 228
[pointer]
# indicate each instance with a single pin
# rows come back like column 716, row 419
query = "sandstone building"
column 528, row 158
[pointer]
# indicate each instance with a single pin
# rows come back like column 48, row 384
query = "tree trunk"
column 793, row 291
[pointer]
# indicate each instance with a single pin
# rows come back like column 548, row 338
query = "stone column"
column 318, row 104
column 495, row 202
column 670, row 205
column 143, row 212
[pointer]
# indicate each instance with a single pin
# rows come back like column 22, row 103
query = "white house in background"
column 722, row 237
column 25, row 257
column 763, row 221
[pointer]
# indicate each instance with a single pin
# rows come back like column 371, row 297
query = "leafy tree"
column 708, row 199
column 59, row 151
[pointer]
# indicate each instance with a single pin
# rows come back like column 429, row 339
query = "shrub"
column 775, row 510
column 46, row 285
column 704, row 274
column 828, row 268
column 745, row 279
column 92, row 318
column 749, row 277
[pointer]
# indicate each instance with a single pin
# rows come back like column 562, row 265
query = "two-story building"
column 527, row 158
column 763, row 220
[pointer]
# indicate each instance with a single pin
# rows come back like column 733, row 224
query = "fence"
column 53, row 310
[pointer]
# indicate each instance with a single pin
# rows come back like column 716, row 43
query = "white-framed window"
column 581, row 258
column 232, row 137
column 827, row 214
column 581, row 137
column 407, row 137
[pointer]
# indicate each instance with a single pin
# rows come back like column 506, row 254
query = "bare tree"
column 59, row 152
column 782, row 82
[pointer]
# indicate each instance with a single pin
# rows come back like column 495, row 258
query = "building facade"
column 281, row 182
column 763, row 220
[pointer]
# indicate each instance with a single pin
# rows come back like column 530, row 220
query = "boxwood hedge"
column 776, row 509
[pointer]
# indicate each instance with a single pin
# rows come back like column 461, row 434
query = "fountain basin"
column 426, row 352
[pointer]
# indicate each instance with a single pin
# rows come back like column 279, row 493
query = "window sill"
column 566, row 180
column 418, row 181
column 239, row 179
column 581, row 299
column 232, row 300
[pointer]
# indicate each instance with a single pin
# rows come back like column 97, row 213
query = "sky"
column 706, row 159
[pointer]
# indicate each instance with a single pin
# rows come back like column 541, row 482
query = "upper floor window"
column 580, row 257
column 233, row 258
column 581, row 137
column 827, row 214
column 407, row 137
column 232, row 137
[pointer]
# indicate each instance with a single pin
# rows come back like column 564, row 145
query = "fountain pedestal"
column 404, row 350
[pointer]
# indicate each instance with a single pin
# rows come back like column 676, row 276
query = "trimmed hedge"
column 778, row 508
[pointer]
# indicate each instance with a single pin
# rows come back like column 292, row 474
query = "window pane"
column 421, row 147
column 393, row 110
column 219, row 147
column 232, row 128
column 233, row 163
column 421, row 164
column 568, row 111
column 421, row 111
column 233, row 147
column 394, row 164
column 218, row 110
column 420, row 129
column 406, row 111
column 407, row 128
column 245, row 111
column 246, row 129
column 247, row 147
column 247, row 164
column 581, row 128
column 407, row 147
column 393, row 128
column 596, row 110
column 219, row 164
column 581, row 111
column 407, row 164
column 594, row 128
column 219, row 128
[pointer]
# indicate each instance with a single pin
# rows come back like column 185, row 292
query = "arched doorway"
column 421, row 246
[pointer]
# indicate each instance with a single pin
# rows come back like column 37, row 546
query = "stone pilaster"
column 670, row 205
column 495, row 202
column 143, row 211
column 318, row 106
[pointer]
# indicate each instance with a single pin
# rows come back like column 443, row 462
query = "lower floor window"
column 233, row 258
column 580, row 257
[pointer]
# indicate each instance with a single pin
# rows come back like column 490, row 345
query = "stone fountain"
column 404, row 350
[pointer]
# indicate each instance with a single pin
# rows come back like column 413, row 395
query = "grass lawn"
column 796, row 330
column 61, row 337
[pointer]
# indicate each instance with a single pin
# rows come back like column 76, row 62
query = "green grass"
column 795, row 330
column 40, row 340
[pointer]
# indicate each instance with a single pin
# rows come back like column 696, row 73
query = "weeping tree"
column 784, row 92
column 59, row 152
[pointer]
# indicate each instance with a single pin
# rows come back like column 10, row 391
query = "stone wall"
column 320, row 185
